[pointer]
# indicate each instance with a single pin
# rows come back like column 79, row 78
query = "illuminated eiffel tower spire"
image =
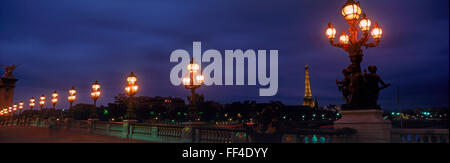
column 307, row 99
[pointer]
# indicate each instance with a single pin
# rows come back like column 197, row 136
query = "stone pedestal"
column 91, row 124
column 7, row 86
column 67, row 123
column 52, row 122
column 127, row 127
column 370, row 126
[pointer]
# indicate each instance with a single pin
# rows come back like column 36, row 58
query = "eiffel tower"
column 308, row 99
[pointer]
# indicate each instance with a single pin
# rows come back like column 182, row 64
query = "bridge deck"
column 20, row 134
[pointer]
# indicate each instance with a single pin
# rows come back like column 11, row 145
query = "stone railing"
column 419, row 136
column 191, row 133
column 165, row 133
column 168, row 133
column 24, row 121
column 319, row 136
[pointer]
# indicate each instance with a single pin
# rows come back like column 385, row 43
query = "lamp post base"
column 370, row 125
column 193, row 113
column 130, row 115
column 127, row 124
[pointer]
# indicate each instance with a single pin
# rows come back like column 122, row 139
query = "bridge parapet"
column 198, row 133
column 420, row 136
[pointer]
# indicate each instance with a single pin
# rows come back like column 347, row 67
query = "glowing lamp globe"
column 95, row 86
column 193, row 67
column 131, row 79
column 54, row 101
column 131, row 90
column 344, row 39
column 95, row 94
column 72, row 91
column 55, row 94
column 71, row 98
column 42, row 98
column 128, row 89
column 331, row 31
column 200, row 78
column 365, row 24
column 186, row 81
column 351, row 10
column 135, row 88
column 376, row 31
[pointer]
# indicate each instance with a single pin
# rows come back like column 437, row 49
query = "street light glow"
column 351, row 10
column 376, row 31
column 365, row 23
column 132, row 88
column 344, row 39
column 331, row 31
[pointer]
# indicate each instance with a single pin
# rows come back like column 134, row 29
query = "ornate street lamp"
column 72, row 96
column 20, row 107
column 131, row 89
column 95, row 94
column 193, row 81
column 32, row 103
column 54, row 99
column 10, row 110
column 42, row 101
column 14, row 109
column 350, row 43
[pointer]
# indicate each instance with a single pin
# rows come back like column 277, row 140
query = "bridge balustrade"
column 185, row 133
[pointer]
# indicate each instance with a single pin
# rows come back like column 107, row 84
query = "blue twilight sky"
column 60, row 44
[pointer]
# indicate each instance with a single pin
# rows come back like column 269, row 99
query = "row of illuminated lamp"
column 131, row 89
column 13, row 108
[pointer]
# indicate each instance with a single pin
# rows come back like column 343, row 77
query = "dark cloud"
column 60, row 44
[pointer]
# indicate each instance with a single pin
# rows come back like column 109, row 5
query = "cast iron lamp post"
column 72, row 96
column 14, row 109
column 193, row 81
column 95, row 94
column 54, row 99
column 350, row 43
column 357, row 91
column 131, row 89
column 32, row 103
column 20, row 107
column 42, row 101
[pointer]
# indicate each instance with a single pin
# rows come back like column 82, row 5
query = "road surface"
column 21, row 134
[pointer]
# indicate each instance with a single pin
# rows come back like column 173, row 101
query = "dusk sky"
column 60, row 44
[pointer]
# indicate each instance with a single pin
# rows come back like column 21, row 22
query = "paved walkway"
column 20, row 134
